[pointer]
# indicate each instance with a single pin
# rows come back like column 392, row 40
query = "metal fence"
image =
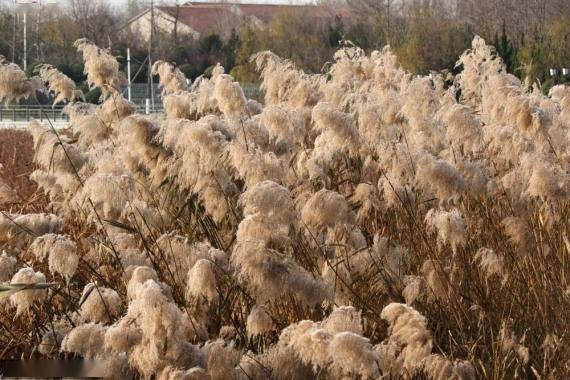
column 24, row 113
column 17, row 113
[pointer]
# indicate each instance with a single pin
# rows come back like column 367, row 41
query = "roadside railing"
column 24, row 113
column 15, row 113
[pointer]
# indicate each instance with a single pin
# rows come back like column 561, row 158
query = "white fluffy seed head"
column 86, row 340
column 439, row 176
column 28, row 225
column 172, row 80
column 259, row 322
column 449, row 225
column 100, row 305
column 343, row 319
column 352, row 354
column 490, row 263
column 230, row 97
column 24, row 299
column 122, row 336
column 102, row 69
column 325, row 208
column 409, row 329
column 519, row 233
column 438, row 367
column 60, row 251
column 202, row 281
column 14, row 85
column 139, row 276
column 270, row 200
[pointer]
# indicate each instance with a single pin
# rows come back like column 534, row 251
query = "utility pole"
column 129, row 73
column 38, row 52
column 25, row 22
column 150, row 84
column 25, row 42
column 14, row 36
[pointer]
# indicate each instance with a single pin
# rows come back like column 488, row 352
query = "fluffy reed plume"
column 414, row 286
column 145, row 155
column 344, row 319
column 51, row 340
column 23, row 300
column 171, row 373
column 229, row 95
column 408, row 332
column 138, row 277
column 393, row 258
column 101, row 68
column 463, row 128
column 163, row 331
column 172, row 80
column 202, row 281
column 7, row 267
column 367, row 196
column 99, row 304
column 85, row 340
column 338, row 133
column 396, row 194
column 325, row 209
column 14, row 83
column 180, row 105
column 107, row 193
column 548, row 181
column 54, row 154
column 259, row 322
column 509, row 342
column 206, row 103
column 519, row 233
column 439, row 368
column 439, row 176
column 60, row 84
column 201, row 148
column 491, row 264
column 60, row 251
column 342, row 354
column 283, row 82
column 449, row 225
column 477, row 63
column 122, row 337
column 115, row 108
column 268, row 272
column 285, row 126
column 12, row 225
column 256, row 166
column 183, row 254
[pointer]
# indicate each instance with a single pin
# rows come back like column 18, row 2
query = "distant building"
column 201, row 18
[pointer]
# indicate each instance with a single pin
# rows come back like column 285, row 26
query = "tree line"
column 531, row 36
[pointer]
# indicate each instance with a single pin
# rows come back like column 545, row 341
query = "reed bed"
column 362, row 223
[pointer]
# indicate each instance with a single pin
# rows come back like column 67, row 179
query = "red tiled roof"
column 206, row 17
column 202, row 20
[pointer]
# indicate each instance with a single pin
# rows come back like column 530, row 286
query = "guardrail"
column 17, row 113
column 24, row 113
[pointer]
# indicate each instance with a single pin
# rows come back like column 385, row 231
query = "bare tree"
column 96, row 19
